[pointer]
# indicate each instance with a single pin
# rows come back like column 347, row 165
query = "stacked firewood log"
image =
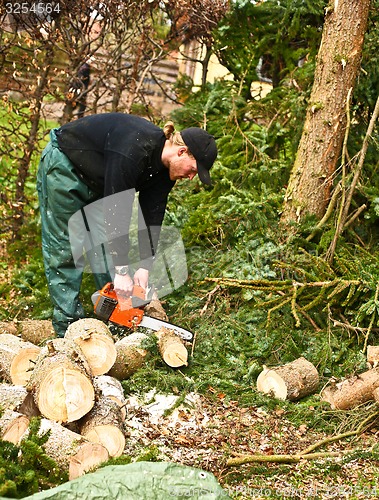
column 73, row 384
column 300, row 378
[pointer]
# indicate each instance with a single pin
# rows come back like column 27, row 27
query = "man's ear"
column 182, row 150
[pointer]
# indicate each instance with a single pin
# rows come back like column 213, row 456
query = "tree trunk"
column 96, row 342
column 111, row 388
column 338, row 64
column 36, row 331
column 104, row 424
column 71, row 451
column 171, row 348
column 353, row 391
column 292, row 381
column 16, row 359
column 61, row 382
column 130, row 356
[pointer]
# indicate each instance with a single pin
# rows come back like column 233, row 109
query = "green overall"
column 61, row 194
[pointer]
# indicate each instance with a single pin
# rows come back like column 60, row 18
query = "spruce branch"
column 347, row 195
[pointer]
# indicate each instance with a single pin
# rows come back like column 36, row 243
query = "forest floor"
column 205, row 432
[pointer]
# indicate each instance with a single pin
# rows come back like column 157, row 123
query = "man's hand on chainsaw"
column 123, row 285
column 141, row 277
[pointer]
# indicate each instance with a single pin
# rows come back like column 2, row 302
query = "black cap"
column 203, row 147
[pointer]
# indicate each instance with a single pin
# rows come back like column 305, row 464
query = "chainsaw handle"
column 138, row 291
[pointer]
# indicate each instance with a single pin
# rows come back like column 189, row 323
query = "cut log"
column 96, row 342
column 373, row 355
column 13, row 426
column 111, row 388
column 353, row 391
column 292, row 381
column 71, row 451
column 17, row 359
column 155, row 310
column 8, row 327
column 376, row 394
column 36, row 331
column 17, row 398
column 104, row 424
column 61, row 382
column 171, row 347
column 130, row 356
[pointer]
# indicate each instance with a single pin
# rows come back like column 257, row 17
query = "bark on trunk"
column 353, row 391
column 36, row 331
column 95, row 340
column 373, row 355
column 111, row 388
column 61, row 382
column 8, row 327
column 104, row 424
column 71, row 451
column 130, row 356
column 17, row 359
column 319, row 150
column 292, row 381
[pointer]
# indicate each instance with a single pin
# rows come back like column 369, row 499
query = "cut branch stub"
column 292, row 381
column 61, row 382
column 96, row 342
column 17, row 398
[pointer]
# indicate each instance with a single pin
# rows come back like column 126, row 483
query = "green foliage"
column 26, row 469
column 281, row 33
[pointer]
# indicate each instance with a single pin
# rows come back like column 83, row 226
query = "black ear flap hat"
column 203, row 147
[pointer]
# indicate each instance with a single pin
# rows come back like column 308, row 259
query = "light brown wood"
column 352, row 392
column 36, row 331
column 16, row 359
column 17, row 398
column 292, row 381
column 13, row 426
column 96, row 342
column 71, row 451
column 172, row 349
column 61, row 382
column 373, row 355
column 155, row 310
column 111, row 388
column 9, row 327
column 104, row 424
column 130, row 356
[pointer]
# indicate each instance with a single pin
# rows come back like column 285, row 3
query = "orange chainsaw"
column 129, row 311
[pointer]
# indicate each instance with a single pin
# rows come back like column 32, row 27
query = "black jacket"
column 117, row 153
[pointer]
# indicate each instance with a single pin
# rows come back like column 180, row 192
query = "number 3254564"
column 35, row 8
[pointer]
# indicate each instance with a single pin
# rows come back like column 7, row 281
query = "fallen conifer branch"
column 307, row 453
column 282, row 459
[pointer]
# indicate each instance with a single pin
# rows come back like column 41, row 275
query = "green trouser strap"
column 61, row 194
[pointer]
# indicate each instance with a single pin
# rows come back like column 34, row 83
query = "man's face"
column 182, row 166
